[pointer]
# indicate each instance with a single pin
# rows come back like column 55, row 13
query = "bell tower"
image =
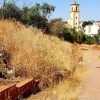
column 74, row 19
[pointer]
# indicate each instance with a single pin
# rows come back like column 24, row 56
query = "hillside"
column 34, row 54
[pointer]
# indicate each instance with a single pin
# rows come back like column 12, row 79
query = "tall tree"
column 37, row 15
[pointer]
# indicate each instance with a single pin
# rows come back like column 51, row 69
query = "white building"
column 91, row 29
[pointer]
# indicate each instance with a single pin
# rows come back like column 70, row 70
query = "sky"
column 89, row 9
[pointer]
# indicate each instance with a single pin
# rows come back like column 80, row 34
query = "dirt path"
column 91, row 88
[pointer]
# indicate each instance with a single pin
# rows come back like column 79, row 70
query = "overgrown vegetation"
column 22, row 42
column 68, row 89
column 35, row 54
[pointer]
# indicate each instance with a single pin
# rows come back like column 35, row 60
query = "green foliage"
column 89, row 40
column 55, row 24
column 64, row 33
column 46, row 9
column 10, row 10
column 87, row 23
column 67, row 35
column 56, row 20
column 24, row 18
column 37, row 16
column 97, row 38
column 58, row 29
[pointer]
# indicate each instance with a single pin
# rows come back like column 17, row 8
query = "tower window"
column 76, row 17
column 72, row 8
column 76, row 23
column 76, row 8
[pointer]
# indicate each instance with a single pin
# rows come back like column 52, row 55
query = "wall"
column 22, row 89
column 91, row 29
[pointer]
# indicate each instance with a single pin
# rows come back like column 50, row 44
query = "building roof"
column 67, row 25
column 74, row 4
column 98, row 25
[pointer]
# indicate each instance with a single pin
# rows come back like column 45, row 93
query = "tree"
column 24, row 18
column 58, row 29
column 46, row 9
column 10, row 10
column 97, row 38
column 55, row 20
column 89, row 40
column 87, row 23
column 54, row 25
column 37, row 16
column 66, row 34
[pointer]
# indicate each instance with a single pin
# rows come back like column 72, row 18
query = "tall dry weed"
column 37, row 52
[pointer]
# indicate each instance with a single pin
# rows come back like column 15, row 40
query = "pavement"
column 91, row 87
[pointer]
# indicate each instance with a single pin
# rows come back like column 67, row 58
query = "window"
column 72, row 8
column 76, row 17
column 76, row 8
column 76, row 23
column 89, row 29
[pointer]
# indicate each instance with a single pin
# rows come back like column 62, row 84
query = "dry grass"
column 34, row 53
column 68, row 89
column 33, row 50
column 98, row 56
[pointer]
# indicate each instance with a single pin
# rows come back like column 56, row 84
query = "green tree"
column 66, row 34
column 58, row 29
column 37, row 16
column 47, row 9
column 89, row 40
column 10, row 10
column 87, row 23
column 25, row 17
column 56, row 20
column 97, row 38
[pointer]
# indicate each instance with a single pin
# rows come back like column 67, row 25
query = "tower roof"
column 74, row 4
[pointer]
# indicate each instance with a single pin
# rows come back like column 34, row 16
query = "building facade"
column 91, row 29
column 74, row 19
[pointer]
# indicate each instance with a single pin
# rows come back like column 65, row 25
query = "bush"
column 89, row 40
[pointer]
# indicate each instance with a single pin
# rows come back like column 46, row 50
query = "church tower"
column 74, row 19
